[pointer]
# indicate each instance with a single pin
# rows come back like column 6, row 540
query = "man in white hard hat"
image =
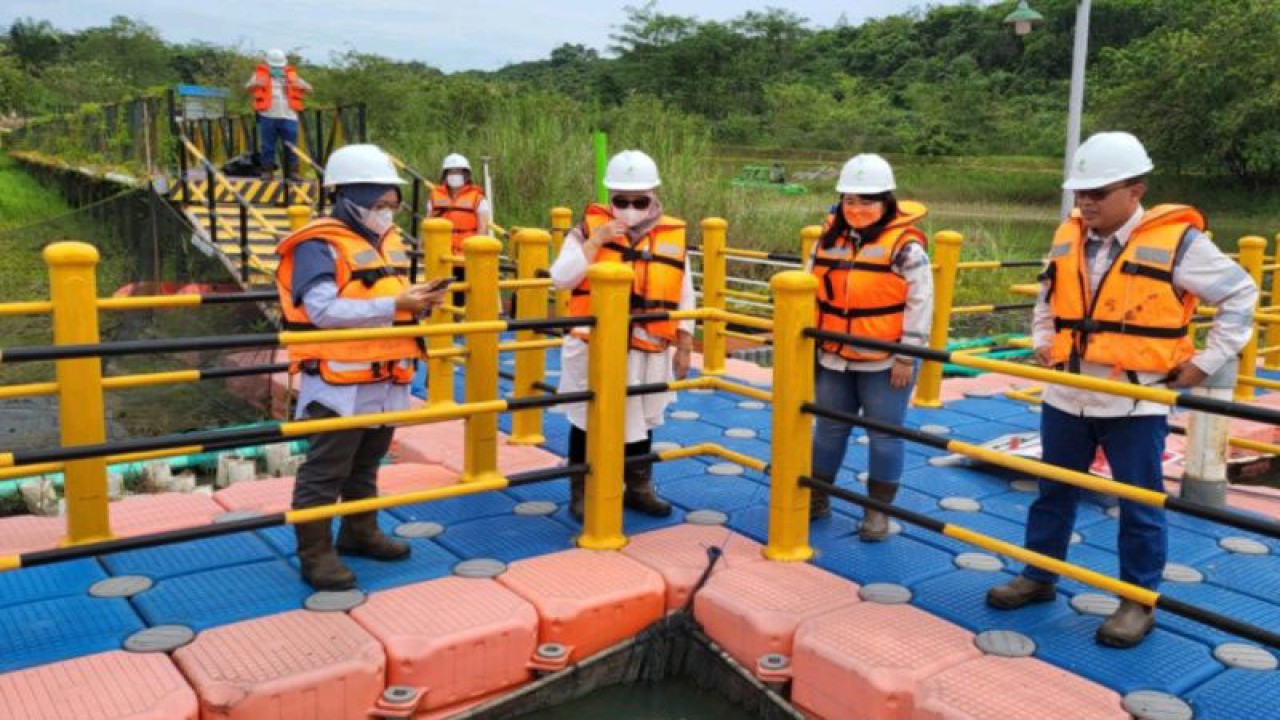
column 277, row 92
column 632, row 229
column 1117, row 297
column 345, row 271
column 462, row 202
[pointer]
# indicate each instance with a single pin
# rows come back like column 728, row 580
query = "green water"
column 668, row 700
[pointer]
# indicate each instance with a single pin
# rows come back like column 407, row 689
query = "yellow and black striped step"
column 256, row 191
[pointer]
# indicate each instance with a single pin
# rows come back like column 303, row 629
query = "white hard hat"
column 631, row 170
column 1107, row 158
column 351, row 164
column 456, row 162
column 276, row 58
column 866, row 174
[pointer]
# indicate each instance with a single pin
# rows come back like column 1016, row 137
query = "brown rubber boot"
column 360, row 535
column 641, row 496
column 820, row 501
column 577, row 495
column 321, row 567
column 1127, row 626
column 1019, row 592
column 875, row 524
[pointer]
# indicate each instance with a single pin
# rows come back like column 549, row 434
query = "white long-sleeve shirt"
column 1202, row 270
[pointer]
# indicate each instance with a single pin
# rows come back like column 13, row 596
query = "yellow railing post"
column 808, row 238
column 531, row 248
column 437, row 239
column 946, row 256
column 480, row 459
column 299, row 215
column 561, row 220
column 73, row 288
column 1252, row 249
column 606, row 413
column 714, row 272
column 1272, row 361
column 794, row 298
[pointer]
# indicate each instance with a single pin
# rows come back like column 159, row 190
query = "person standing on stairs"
column 341, row 272
column 462, row 202
column 631, row 230
column 1118, row 294
column 874, row 280
column 277, row 92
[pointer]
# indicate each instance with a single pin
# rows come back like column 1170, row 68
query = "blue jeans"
column 270, row 132
column 1133, row 446
column 871, row 394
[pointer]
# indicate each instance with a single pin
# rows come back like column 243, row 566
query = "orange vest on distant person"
column 1138, row 322
column 858, row 291
column 657, row 260
column 460, row 209
column 362, row 272
column 262, row 92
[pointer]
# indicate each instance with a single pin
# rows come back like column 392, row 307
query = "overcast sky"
column 470, row 34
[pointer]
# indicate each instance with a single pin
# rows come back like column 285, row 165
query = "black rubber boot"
column 820, row 500
column 321, row 567
column 641, row 496
column 875, row 524
column 360, row 535
column 577, row 495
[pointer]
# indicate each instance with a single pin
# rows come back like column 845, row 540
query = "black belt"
column 827, row 308
column 1089, row 326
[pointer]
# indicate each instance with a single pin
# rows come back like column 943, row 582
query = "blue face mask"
column 277, row 72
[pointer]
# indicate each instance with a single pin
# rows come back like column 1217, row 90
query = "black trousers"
column 578, row 445
column 340, row 465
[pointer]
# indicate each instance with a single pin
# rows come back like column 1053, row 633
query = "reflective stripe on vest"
column 658, row 261
column 1138, row 321
column 460, row 210
column 361, row 272
column 859, row 293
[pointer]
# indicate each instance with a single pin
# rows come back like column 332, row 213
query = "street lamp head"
column 1023, row 18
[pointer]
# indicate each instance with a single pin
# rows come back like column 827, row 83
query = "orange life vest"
column 1138, row 322
column 262, row 92
column 460, row 209
column 362, row 272
column 859, row 293
column 657, row 260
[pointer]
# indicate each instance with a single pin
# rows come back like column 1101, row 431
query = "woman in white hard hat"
column 632, row 229
column 462, row 202
column 344, row 271
column 277, row 92
column 874, row 281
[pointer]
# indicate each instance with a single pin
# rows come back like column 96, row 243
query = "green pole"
column 601, row 141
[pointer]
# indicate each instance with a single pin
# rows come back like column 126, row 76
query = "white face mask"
column 631, row 216
column 454, row 180
column 378, row 221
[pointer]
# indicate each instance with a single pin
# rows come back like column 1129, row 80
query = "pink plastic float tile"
column 679, row 554
column 588, row 599
column 276, row 494
column 444, row 443
column 866, row 660
column 956, row 388
column 754, row 609
column 462, row 639
column 142, row 514
column 113, row 685
column 297, row 664
column 24, row 533
column 1013, row 689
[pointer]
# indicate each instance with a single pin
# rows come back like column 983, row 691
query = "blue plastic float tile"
column 955, row 482
column 1237, row 694
column 457, row 509
column 1098, row 559
column 1164, row 661
column 754, row 523
column 167, row 561
column 714, row 408
column 664, row 472
column 49, row 581
column 687, row 432
column 1256, row 575
column 1024, row 421
column 943, row 416
column 1013, row 505
column 960, row 597
column 1220, row 600
column 984, row 431
column 223, row 596
column 51, row 630
column 713, row 492
column 1185, row 547
column 975, row 521
column 556, row 491
column 632, row 521
column 428, row 561
column 899, row 559
column 507, row 538
column 753, row 447
column 994, row 408
column 1212, row 529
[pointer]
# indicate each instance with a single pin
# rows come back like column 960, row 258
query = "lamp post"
column 1022, row 19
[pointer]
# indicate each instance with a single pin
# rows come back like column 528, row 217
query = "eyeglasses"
column 1102, row 193
column 639, row 203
